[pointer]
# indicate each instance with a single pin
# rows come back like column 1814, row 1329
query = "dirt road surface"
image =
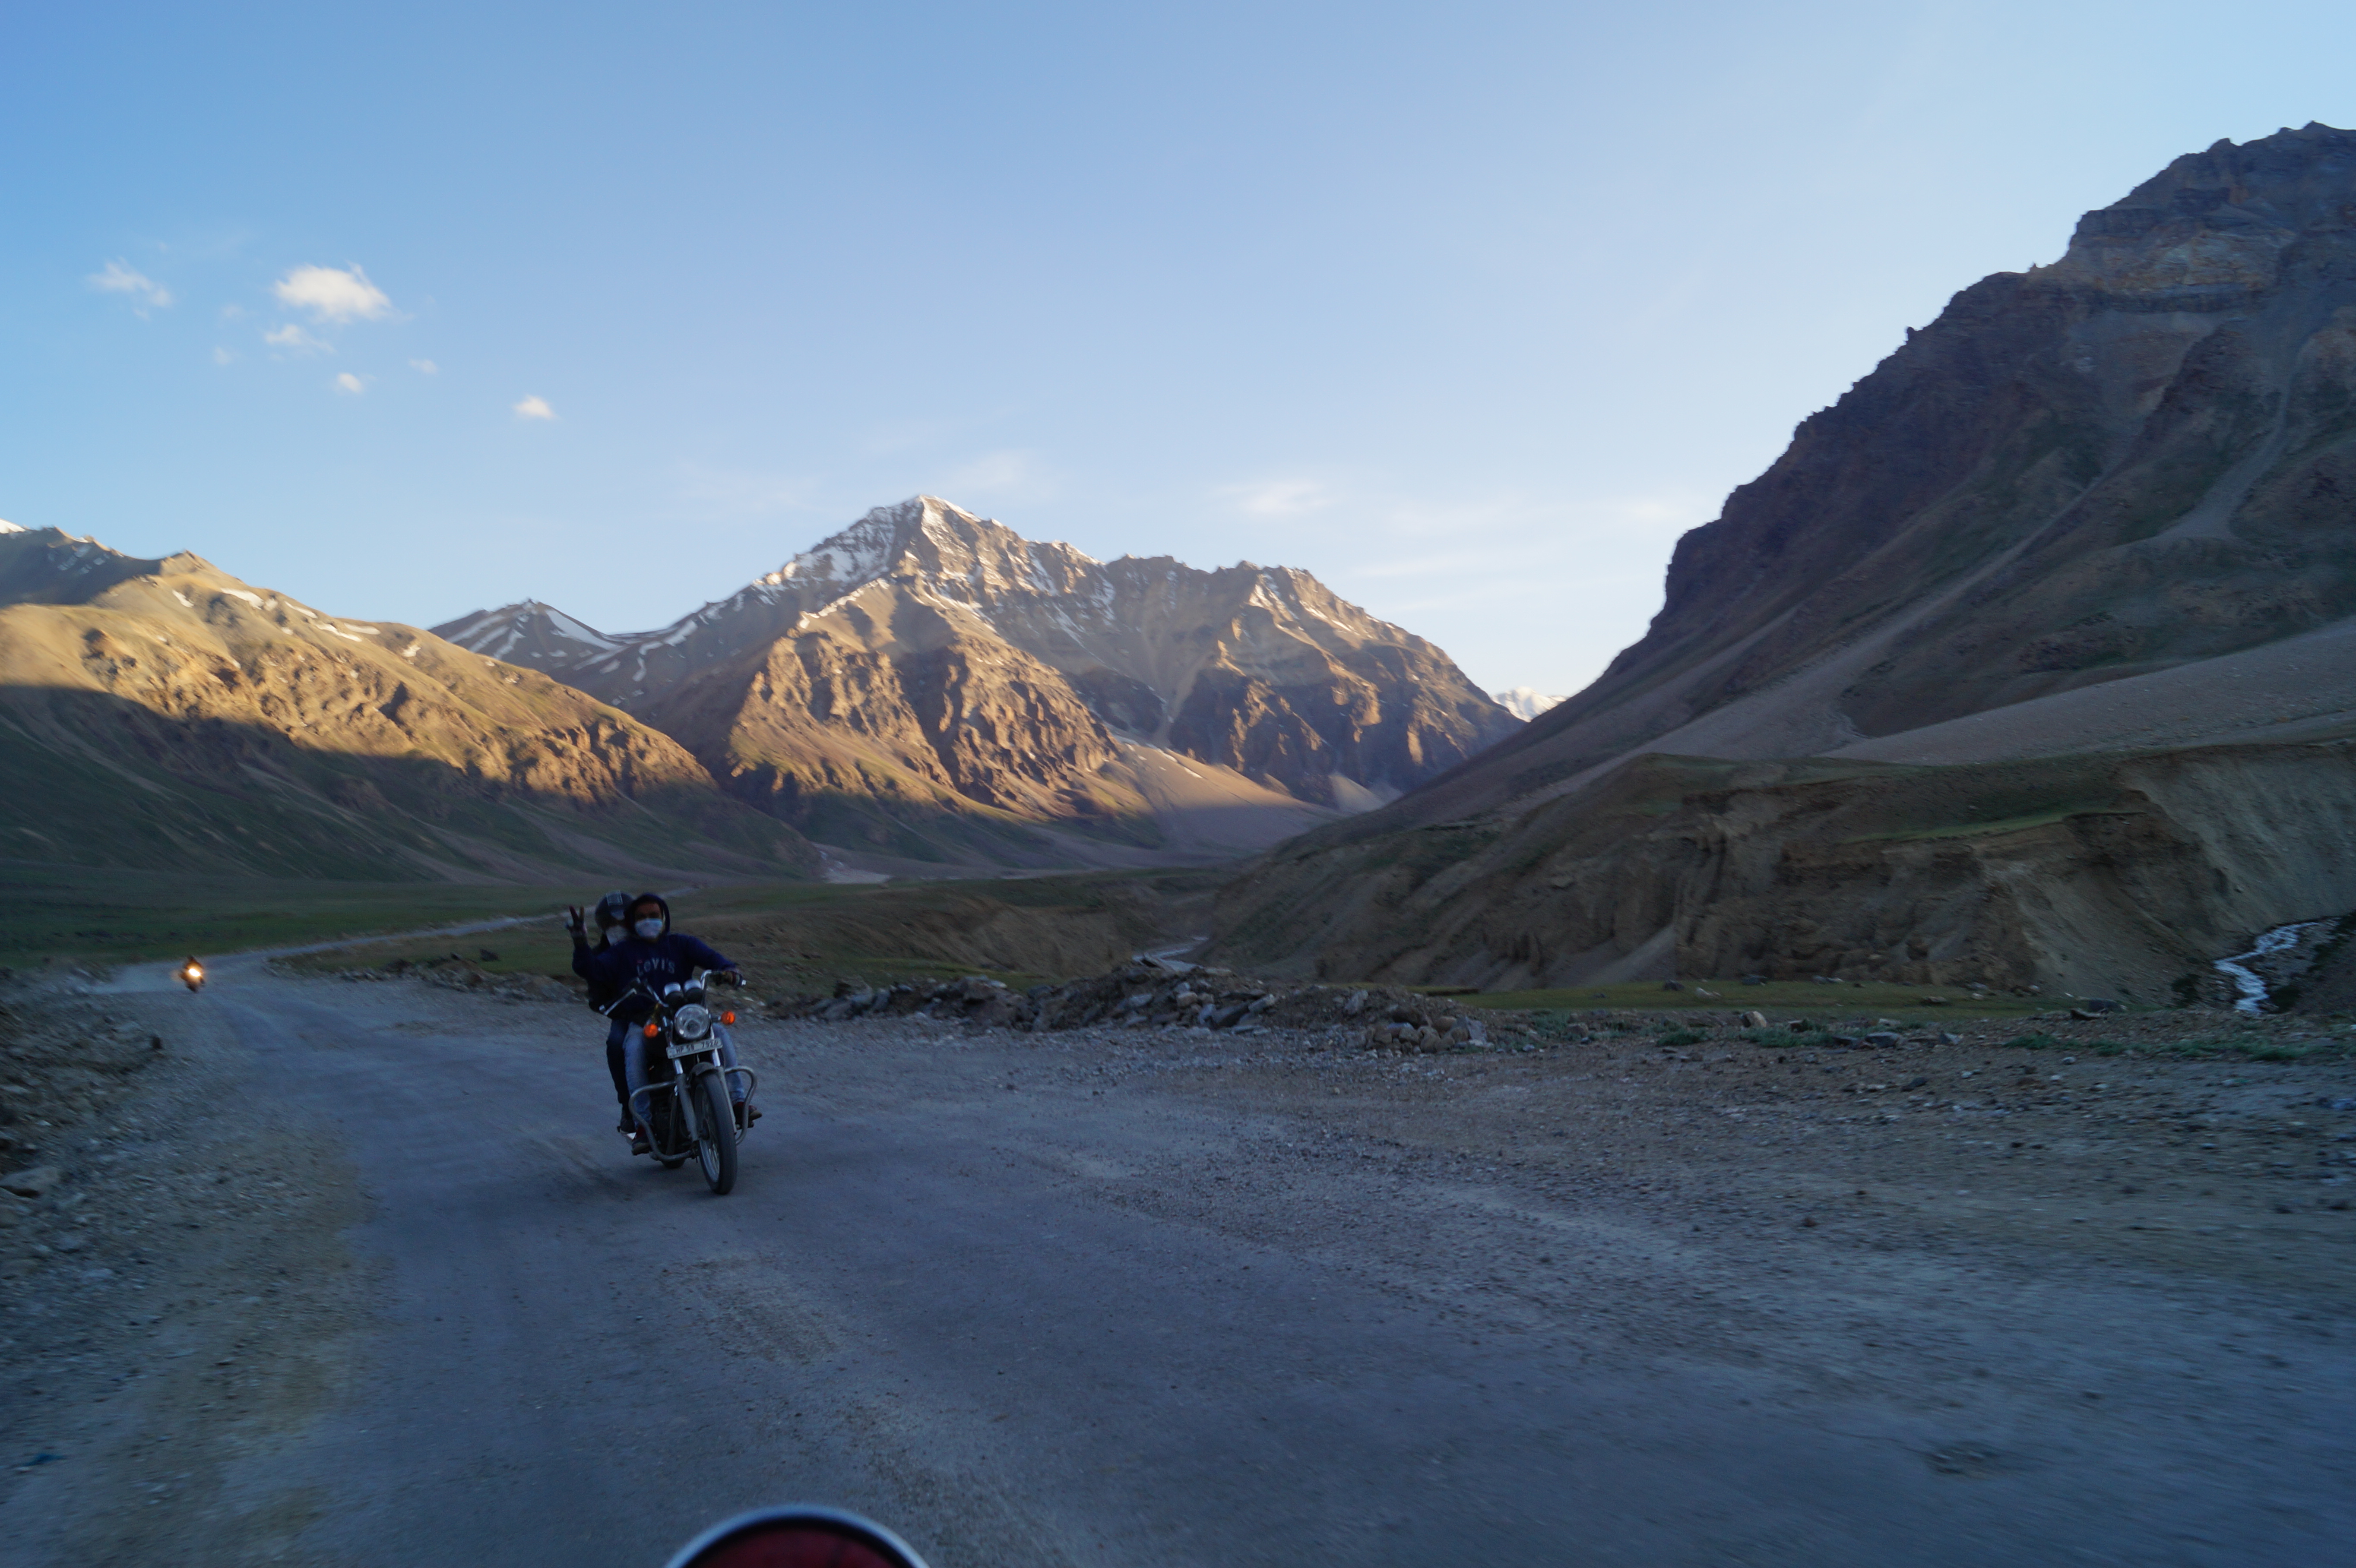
column 359, row 1275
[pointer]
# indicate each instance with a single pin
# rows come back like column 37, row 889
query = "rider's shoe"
column 640, row 1143
column 749, row 1112
column 627, row 1127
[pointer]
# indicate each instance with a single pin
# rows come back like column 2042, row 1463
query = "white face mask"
column 648, row 930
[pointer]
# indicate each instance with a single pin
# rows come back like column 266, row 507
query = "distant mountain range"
column 2103, row 508
column 165, row 714
column 924, row 690
column 928, row 685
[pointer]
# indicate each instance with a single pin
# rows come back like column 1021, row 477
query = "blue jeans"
column 634, row 1061
column 614, row 1038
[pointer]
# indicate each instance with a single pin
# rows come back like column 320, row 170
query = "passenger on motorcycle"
column 651, row 954
column 611, row 912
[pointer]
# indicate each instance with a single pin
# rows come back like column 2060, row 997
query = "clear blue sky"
column 1467, row 308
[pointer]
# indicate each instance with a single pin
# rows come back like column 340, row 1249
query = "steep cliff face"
column 927, row 664
column 2108, row 475
column 892, row 723
column 163, row 713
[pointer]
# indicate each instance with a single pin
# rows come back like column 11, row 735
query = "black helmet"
column 614, row 909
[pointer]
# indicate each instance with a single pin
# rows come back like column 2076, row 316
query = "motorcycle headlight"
column 692, row 1021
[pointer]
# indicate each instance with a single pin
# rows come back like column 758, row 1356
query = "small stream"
column 2252, row 989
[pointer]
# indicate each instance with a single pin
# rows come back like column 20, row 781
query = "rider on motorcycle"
column 612, row 910
column 651, row 954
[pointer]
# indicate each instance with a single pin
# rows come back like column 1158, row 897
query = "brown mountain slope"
column 161, row 714
column 2140, row 456
column 2031, row 530
column 931, row 683
column 2119, row 875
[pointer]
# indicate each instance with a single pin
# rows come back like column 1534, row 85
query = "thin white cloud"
column 1279, row 497
column 1008, row 476
column 116, row 278
column 222, row 356
column 294, row 340
column 332, row 294
column 352, row 385
column 425, row 367
column 534, row 409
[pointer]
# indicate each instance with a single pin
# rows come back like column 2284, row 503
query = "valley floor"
column 358, row 1273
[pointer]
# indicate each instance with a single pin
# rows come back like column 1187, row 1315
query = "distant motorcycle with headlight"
column 686, row 1105
column 192, row 976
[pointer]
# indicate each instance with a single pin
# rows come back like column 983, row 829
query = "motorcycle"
column 192, row 974
column 800, row 1536
column 686, row 1104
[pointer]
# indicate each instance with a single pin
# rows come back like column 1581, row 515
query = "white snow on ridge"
column 573, row 631
column 9, row 527
column 1524, row 702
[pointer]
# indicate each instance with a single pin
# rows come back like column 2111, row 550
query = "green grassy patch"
column 112, row 915
column 798, row 937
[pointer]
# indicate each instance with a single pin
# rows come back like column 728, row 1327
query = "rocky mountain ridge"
column 929, row 684
column 2105, row 502
column 163, row 713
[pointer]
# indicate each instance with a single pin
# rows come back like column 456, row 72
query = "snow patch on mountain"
column 1524, row 702
column 9, row 527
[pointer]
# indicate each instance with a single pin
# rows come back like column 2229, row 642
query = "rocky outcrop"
column 927, row 675
column 2118, row 468
column 163, row 713
column 2122, row 875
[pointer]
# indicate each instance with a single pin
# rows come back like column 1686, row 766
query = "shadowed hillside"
column 2108, row 503
column 162, row 714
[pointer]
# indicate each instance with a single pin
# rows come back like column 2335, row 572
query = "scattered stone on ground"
column 1152, row 992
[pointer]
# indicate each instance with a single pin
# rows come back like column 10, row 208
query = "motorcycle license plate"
column 689, row 1048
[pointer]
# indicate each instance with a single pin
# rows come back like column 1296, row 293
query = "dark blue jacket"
column 671, row 958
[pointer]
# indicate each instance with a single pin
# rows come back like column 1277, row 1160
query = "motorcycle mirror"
column 797, row 1537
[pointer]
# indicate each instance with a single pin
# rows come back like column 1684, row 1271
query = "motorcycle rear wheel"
column 715, row 1132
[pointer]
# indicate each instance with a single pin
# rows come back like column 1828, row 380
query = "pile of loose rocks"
column 61, row 1060
column 1148, row 993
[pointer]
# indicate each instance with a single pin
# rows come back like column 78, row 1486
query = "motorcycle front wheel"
column 715, row 1131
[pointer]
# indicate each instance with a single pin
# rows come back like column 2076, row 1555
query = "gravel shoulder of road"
column 178, row 1303
column 1918, row 1224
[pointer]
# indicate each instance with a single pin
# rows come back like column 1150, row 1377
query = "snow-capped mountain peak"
column 1524, row 702
column 1262, row 670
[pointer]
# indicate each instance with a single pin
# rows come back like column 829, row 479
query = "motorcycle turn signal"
column 728, row 1018
column 653, row 1030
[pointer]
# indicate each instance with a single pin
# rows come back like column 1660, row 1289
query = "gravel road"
column 359, row 1274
